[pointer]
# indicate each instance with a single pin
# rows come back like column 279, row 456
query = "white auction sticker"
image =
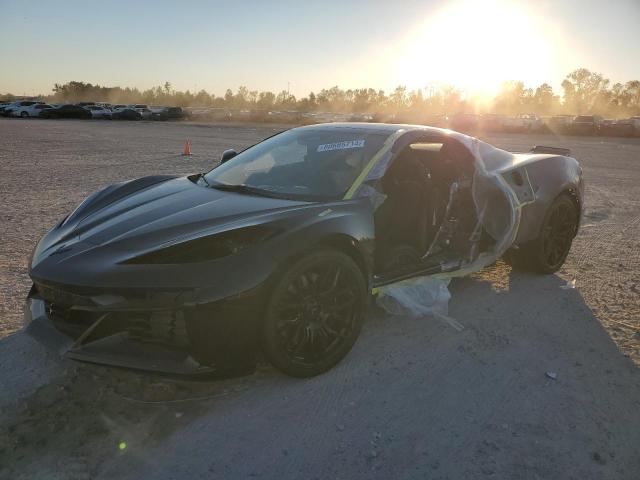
column 341, row 145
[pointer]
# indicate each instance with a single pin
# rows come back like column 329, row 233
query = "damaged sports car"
column 279, row 248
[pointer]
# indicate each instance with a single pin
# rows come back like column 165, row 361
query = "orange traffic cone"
column 187, row 147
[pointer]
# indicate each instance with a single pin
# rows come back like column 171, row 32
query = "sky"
column 309, row 45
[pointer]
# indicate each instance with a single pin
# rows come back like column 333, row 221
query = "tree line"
column 583, row 92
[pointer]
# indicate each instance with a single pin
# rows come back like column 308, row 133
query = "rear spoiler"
column 554, row 150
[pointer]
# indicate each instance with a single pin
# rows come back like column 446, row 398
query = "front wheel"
column 315, row 313
column 24, row 114
column 547, row 253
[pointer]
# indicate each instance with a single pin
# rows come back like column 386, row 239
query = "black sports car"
column 169, row 113
column 279, row 248
column 65, row 111
column 126, row 114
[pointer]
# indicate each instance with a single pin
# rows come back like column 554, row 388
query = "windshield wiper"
column 241, row 188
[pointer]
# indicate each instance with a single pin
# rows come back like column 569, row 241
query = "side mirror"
column 228, row 155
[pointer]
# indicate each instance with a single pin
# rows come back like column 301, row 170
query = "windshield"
column 308, row 163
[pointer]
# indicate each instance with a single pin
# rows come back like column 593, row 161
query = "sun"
column 476, row 46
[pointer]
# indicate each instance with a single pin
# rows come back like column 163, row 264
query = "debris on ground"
column 452, row 322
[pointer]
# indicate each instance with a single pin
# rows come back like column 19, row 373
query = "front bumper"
column 118, row 349
column 195, row 340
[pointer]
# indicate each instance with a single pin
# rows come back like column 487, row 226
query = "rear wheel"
column 315, row 313
column 548, row 252
column 24, row 114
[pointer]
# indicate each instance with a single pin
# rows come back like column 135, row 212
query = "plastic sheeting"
column 416, row 297
column 497, row 205
column 376, row 197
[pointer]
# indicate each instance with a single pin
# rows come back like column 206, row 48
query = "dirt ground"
column 415, row 398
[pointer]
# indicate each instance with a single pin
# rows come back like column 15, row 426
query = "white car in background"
column 25, row 111
column 98, row 111
column 6, row 106
column 8, row 109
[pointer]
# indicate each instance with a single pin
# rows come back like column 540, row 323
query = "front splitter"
column 117, row 350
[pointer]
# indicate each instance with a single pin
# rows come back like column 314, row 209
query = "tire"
column 315, row 313
column 547, row 253
column 24, row 114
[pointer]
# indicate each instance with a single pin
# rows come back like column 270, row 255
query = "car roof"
column 388, row 128
column 374, row 127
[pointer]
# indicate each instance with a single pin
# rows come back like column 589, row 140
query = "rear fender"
column 549, row 177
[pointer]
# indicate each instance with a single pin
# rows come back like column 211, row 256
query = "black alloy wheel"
column 314, row 314
column 558, row 233
column 548, row 252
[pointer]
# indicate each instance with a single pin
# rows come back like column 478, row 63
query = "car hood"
column 154, row 211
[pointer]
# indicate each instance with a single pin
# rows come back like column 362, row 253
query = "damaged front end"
column 153, row 331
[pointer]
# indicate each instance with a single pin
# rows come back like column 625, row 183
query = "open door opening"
column 428, row 222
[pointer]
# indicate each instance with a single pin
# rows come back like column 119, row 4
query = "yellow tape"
column 365, row 171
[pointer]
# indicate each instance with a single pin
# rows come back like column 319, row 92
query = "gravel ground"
column 415, row 398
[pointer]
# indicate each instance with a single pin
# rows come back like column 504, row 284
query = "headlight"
column 206, row 248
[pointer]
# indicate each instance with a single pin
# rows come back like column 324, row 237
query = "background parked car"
column 6, row 110
column 98, row 111
column 524, row 122
column 4, row 105
column 29, row 110
column 65, row 111
column 144, row 112
column 156, row 108
column 126, row 114
column 586, row 125
column 558, row 123
column 168, row 113
column 625, row 127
